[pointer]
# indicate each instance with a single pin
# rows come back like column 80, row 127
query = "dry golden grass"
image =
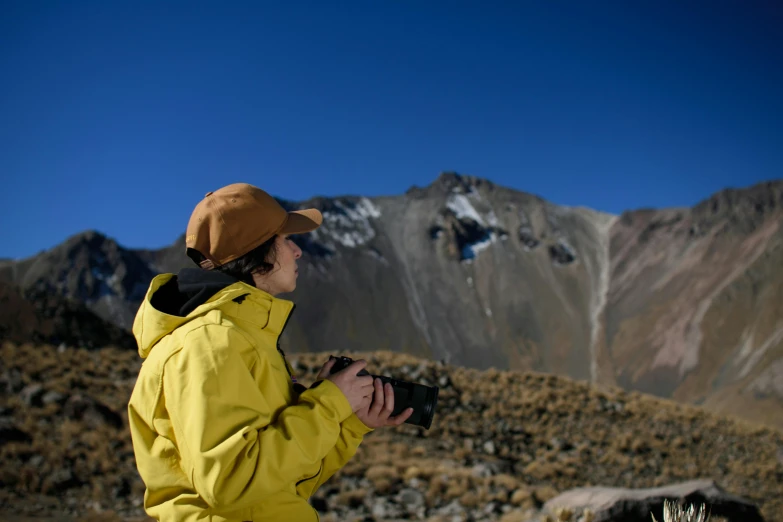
column 551, row 434
column 547, row 434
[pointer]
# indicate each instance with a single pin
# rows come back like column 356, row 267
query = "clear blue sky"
column 119, row 116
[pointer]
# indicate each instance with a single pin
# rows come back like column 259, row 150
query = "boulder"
column 636, row 505
column 52, row 397
column 413, row 501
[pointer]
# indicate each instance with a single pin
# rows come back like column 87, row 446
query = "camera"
column 421, row 398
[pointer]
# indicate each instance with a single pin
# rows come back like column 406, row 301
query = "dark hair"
column 260, row 260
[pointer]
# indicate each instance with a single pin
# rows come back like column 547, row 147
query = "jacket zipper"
column 285, row 363
column 282, row 353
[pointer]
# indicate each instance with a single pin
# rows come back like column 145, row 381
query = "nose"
column 297, row 251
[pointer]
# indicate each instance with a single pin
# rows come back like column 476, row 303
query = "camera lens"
column 429, row 407
column 421, row 398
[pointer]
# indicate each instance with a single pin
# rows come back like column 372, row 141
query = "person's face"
column 282, row 278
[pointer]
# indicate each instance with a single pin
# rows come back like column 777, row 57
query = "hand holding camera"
column 353, row 380
column 405, row 401
column 378, row 413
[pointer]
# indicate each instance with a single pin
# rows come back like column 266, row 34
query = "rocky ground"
column 501, row 444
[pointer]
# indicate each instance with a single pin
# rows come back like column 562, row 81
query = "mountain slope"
column 695, row 305
column 463, row 271
column 46, row 318
column 91, row 269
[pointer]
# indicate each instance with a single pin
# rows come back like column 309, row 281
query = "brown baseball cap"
column 233, row 220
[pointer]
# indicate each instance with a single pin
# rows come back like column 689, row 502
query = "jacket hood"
column 173, row 300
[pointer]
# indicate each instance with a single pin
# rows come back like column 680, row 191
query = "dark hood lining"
column 188, row 290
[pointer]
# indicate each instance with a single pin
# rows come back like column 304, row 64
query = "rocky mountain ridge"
column 683, row 303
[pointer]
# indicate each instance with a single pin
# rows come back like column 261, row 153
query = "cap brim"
column 302, row 221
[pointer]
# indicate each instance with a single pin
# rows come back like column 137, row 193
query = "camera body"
column 421, row 398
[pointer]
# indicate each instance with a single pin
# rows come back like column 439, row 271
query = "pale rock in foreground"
column 637, row 505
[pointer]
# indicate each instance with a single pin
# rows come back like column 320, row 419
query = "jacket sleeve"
column 233, row 450
column 352, row 433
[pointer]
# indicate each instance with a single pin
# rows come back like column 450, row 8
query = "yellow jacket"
column 219, row 430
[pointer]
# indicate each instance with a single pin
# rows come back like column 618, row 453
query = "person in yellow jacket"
column 221, row 430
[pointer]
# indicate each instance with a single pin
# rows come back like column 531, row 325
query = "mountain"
column 683, row 303
column 695, row 306
column 90, row 268
column 48, row 318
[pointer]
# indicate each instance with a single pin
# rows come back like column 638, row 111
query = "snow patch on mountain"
column 348, row 223
column 463, row 209
column 492, row 219
column 471, row 250
column 367, row 209
column 479, row 225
